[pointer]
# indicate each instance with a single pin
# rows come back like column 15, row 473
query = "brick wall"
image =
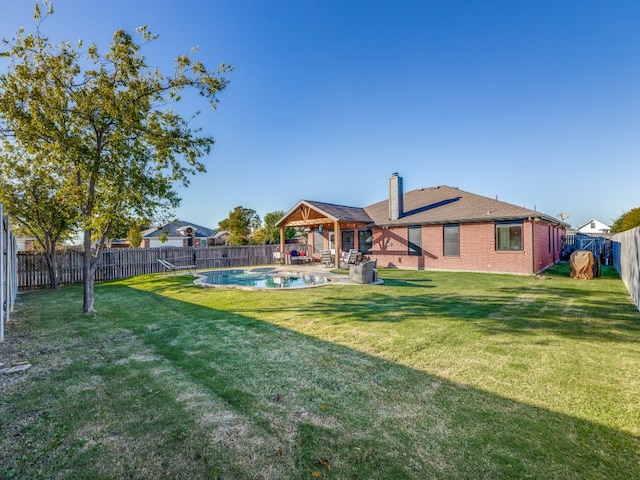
column 547, row 245
column 477, row 249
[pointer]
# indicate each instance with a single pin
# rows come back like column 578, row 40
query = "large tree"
column 272, row 233
column 240, row 223
column 31, row 192
column 107, row 120
column 627, row 221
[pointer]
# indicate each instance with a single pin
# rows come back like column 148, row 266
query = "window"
column 451, row 240
column 415, row 240
column 509, row 236
column 365, row 241
column 348, row 238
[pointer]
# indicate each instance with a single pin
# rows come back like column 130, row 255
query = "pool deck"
column 317, row 270
column 323, row 271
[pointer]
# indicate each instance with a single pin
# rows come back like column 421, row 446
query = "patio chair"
column 326, row 258
column 366, row 272
column 349, row 258
column 298, row 256
column 170, row 267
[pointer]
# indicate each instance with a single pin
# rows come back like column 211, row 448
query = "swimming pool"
column 260, row 278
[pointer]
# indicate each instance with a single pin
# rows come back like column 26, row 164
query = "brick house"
column 434, row 228
column 182, row 234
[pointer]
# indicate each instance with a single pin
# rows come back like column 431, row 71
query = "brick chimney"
column 395, row 196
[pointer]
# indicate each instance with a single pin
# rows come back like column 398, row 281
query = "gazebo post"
column 282, row 244
column 338, row 240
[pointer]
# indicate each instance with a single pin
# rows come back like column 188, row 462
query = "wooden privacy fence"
column 8, row 269
column 626, row 258
column 118, row 263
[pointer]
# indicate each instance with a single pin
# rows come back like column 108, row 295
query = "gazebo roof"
column 308, row 213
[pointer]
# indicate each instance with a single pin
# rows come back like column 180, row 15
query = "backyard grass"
column 431, row 375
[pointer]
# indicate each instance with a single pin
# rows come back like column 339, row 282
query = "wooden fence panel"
column 8, row 271
column 626, row 259
column 116, row 263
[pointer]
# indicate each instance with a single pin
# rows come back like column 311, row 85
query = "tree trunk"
column 52, row 266
column 87, row 305
column 88, row 270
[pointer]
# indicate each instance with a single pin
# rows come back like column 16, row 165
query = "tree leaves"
column 240, row 222
column 627, row 221
column 103, row 124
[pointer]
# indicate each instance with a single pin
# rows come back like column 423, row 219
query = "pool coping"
column 331, row 278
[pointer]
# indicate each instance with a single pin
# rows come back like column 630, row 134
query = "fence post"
column 8, row 271
column 626, row 259
column 2, row 273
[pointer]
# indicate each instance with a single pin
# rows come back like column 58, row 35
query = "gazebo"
column 323, row 217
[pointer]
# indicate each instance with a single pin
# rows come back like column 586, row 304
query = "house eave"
column 498, row 218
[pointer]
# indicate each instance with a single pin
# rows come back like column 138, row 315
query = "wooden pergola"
column 314, row 215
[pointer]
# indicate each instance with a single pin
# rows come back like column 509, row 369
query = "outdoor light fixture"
column 320, row 229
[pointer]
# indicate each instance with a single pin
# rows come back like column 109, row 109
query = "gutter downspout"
column 533, row 256
column 338, row 241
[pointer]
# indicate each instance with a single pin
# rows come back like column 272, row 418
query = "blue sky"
column 537, row 102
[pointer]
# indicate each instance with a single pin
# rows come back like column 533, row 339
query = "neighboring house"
column 118, row 243
column 25, row 243
column 181, row 234
column 434, row 228
column 221, row 238
column 594, row 227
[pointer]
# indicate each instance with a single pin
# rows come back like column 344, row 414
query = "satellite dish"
column 563, row 216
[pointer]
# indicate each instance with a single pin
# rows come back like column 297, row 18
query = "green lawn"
column 431, row 375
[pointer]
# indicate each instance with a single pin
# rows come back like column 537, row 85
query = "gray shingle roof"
column 443, row 204
column 342, row 212
column 172, row 230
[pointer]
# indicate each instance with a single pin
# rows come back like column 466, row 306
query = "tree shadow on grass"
column 414, row 283
column 552, row 311
column 315, row 406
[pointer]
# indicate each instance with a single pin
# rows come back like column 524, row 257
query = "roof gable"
column 307, row 212
column 173, row 229
column 598, row 226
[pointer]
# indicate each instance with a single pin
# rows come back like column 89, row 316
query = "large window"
column 347, row 240
column 365, row 241
column 509, row 236
column 451, row 240
column 415, row 240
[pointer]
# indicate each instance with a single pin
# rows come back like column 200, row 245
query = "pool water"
column 260, row 278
